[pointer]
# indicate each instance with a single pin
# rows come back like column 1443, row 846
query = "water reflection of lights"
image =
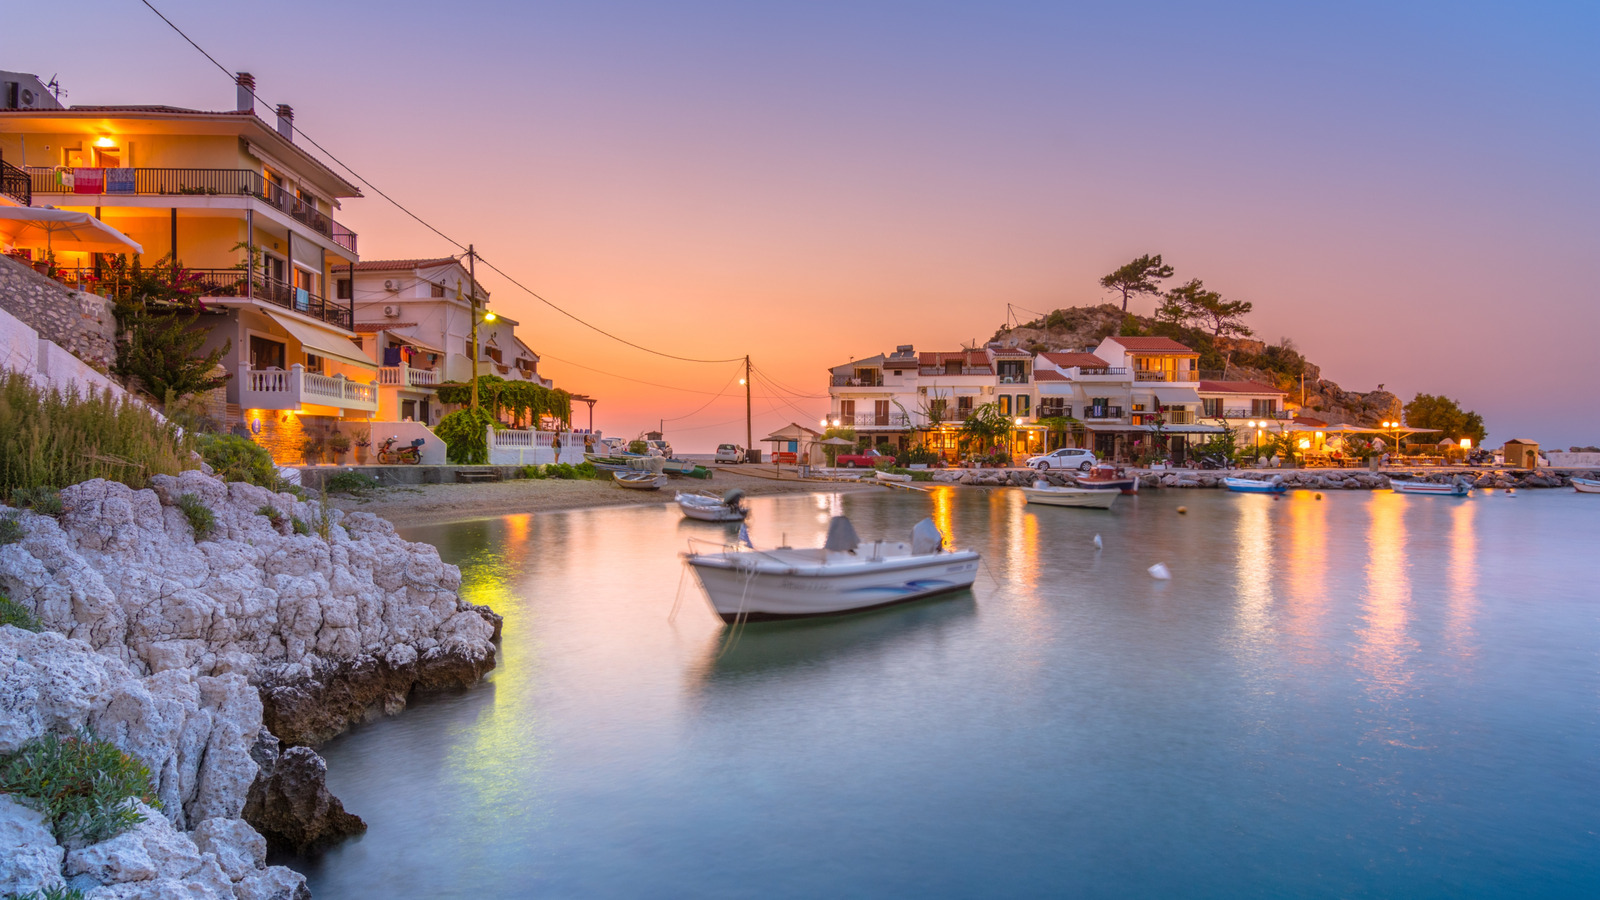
column 1463, row 578
column 1254, row 566
column 1306, row 568
column 1386, row 646
column 943, row 507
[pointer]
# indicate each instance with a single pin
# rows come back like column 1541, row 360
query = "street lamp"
column 1256, row 428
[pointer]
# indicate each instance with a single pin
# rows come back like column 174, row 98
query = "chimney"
column 286, row 120
column 247, row 92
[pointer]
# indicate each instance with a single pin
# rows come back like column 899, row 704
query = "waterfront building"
column 249, row 217
column 414, row 318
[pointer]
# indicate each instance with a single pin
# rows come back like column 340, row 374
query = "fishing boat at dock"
column 1586, row 485
column 844, row 575
column 1044, row 494
column 1252, row 486
column 639, row 481
column 707, row 507
column 1108, row 478
column 1445, row 489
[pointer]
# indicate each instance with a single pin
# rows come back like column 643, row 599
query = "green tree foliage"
column 157, row 310
column 1192, row 303
column 983, row 429
column 830, row 451
column 465, row 433
column 521, row 401
column 1443, row 413
column 1137, row 277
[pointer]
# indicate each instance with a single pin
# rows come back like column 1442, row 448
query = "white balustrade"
column 295, row 387
column 526, row 447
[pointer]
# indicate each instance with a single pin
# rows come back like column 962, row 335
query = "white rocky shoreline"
column 219, row 664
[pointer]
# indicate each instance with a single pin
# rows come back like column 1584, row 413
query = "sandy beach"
column 433, row 504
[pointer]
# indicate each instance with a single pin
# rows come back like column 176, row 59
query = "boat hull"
column 1428, row 488
column 710, row 510
column 741, row 593
column 1082, row 499
column 639, row 481
column 1249, row 486
column 1586, row 486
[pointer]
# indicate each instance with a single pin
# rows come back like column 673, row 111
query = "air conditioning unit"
column 26, row 99
column 392, row 312
column 391, row 284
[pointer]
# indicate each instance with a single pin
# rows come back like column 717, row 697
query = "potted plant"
column 311, row 446
column 338, row 445
column 363, row 441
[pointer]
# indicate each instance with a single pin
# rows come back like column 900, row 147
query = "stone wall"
column 77, row 321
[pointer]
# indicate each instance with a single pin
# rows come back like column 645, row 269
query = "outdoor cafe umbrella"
column 62, row 228
column 838, row 442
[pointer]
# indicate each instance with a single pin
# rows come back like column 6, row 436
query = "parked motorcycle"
column 1212, row 461
column 1480, row 457
column 389, row 454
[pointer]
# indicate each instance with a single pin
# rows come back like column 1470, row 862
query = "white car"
column 1065, row 458
column 730, row 453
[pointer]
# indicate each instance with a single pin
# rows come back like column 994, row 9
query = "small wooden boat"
column 1108, row 478
column 1251, row 486
column 608, row 463
column 1448, row 489
column 639, row 481
column 844, row 575
column 677, row 466
column 1586, row 485
column 706, row 507
column 1044, row 494
column 890, row 476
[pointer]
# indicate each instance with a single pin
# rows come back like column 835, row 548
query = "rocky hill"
column 1221, row 359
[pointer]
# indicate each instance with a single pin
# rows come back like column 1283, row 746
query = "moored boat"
column 842, row 576
column 1045, row 494
column 677, row 466
column 1252, row 486
column 711, row 508
column 639, row 481
column 1108, row 478
column 891, row 476
column 1586, row 485
column 1446, row 489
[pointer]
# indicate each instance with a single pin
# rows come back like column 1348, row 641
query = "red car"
column 863, row 460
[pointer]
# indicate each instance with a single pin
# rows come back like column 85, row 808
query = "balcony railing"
column 197, row 182
column 1013, row 378
column 1240, row 412
column 1102, row 412
column 965, row 370
column 1102, row 370
column 875, row 420
column 14, row 183
column 294, row 387
column 211, row 283
column 1163, row 375
column 856, row 381
column 405, row 376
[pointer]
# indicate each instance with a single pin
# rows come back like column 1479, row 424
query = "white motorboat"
column 842, row 576
column 1586, row 485
column 639, row 481
column 1044, row 494
column 707, row 507
column 1447, row 489
column 892, row 477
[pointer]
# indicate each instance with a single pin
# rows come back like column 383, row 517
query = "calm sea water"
column 1365, row 695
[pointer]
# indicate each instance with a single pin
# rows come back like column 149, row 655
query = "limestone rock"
column 238, row 849
column 30, row 859
column 291, row 805
column 151, row 849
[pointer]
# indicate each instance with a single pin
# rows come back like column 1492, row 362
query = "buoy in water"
column 1183, row 510
column 1098, row 544
column 1159, row 572
column 1319, row 496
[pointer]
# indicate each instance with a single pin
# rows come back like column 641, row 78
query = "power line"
column 398, row 205
column 786, row 389
column 720, row 394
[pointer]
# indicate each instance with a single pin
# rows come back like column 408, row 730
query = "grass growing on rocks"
column 84, row 785
column 46, row 501
column 14, row 613
column 202, row 521
column 50, row 438
column 10, row 529
column 350, row 483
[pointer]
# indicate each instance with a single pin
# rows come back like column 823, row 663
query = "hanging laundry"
column 391, row 356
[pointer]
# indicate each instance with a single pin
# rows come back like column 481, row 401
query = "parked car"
column 730, row 453
column 654, row 447
column 1065, row 458
column 864, row 460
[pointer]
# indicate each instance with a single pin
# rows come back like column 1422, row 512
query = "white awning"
column 967, row 391
column 1170, row 395
column 323, row 343
column 61, row 229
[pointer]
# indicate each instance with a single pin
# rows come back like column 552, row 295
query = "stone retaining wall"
column 77, row 321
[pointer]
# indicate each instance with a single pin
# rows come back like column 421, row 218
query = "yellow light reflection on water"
column 1306, row 571
column 1385, row 646
column 1462, row 579
column 1253, row 568
column 943, row 511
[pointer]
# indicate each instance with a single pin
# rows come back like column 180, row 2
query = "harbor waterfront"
column 1367, row 694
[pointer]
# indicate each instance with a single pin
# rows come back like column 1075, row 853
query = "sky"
column 1406, row 190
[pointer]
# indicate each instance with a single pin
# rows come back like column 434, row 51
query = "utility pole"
column 748, row 433
column 472, row 276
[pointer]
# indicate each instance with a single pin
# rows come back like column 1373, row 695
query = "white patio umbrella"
column 62, row 228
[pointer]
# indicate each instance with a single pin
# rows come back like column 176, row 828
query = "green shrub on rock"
column 84, row 785
column 15, row 614
column 202, row 521
column 465, row 435
column 350, row 483
column 235, row 458
column 10, row 529
column 44, row 500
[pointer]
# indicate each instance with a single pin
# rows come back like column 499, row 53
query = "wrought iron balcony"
column 1102, row 412
column 856, row 381
column 196, row 182
column 14, row 183
column 202, row 284
column 873, row 420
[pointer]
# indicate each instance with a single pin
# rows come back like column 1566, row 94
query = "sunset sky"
column 1406, row 190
